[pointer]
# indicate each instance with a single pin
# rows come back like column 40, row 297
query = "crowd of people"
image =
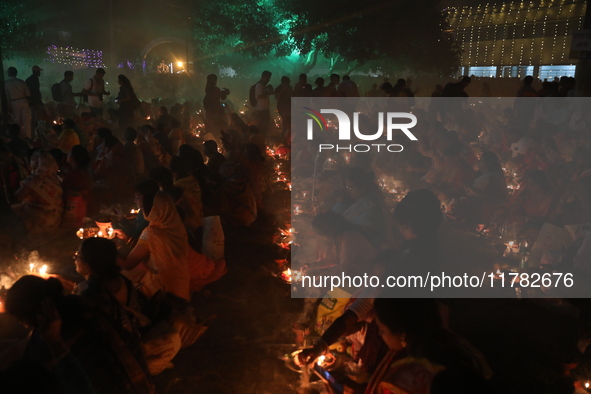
column 126, row 317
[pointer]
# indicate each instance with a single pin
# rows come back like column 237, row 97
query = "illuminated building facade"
column 516, row 39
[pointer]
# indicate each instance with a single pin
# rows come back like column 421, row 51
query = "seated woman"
column 257, row 177
column 196, row 166
column 162, row 249
column 237, row 205
column 171, row 264
column 110, row 291
column 77, row 184
column 40, row 195
column 144, row 136
column 535, row 200
column 191, row 192
column 115, row 171
column 368, row 209
column 68, row 138
column 343, row 245
column 488, row 192
column 420, row 349
column 457, row 173
column 74, row 341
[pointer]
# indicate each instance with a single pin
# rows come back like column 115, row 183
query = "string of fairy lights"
column 75, row 56
column 513, row 34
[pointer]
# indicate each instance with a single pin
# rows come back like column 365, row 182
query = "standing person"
column 68, row 100
column 527, row 90
column 348, row 88
column 283, row 94
column 35, row 100
column 18, row 94
column 319, row 90
column 262, row 91
column 128, row 101
column 94, row 89
column 302, row 87
column 214, row 112
column 373, row 92
column 456, row 89
column 438, row 92
column 333, row 86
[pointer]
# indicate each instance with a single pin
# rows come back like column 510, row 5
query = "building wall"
column 508, row 37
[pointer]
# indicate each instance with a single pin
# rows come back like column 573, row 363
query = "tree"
column 229, row 32
column 351, row 35
column 403, row 33
column 17, row 34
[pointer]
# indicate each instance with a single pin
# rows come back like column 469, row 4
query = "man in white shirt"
column 95, row 89
column 262, row 92
column 18, row 94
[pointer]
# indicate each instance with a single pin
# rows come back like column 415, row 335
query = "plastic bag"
column 213, row 238
column 331, row 307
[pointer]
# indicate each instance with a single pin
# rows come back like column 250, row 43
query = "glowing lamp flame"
column 321, row 360
column 43, row 270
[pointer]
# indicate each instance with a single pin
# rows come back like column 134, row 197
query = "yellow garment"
column 166, row 238
column 67, row 139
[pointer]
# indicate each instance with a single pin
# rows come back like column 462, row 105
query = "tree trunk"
column 333, row 63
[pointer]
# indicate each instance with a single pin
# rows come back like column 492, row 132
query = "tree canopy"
column 395, row 34
column 17, row 33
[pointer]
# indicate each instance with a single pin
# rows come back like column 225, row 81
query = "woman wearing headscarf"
column 237, row 205
column 74, row 342
column 40, row 195
column 163, row 248
column 424, row 357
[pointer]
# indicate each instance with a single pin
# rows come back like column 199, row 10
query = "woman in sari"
column 163, row 248
column 41, row 195
column 237, row 205
column 420, row 349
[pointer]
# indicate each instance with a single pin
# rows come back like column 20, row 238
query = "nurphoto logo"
column 391, row 120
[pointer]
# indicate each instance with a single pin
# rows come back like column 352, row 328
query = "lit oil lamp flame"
column 80, row 233
column 31, row 266
column 320, row 360
column 43, row 271
column 587, row 384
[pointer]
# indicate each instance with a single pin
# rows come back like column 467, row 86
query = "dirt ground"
column 525, row 341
